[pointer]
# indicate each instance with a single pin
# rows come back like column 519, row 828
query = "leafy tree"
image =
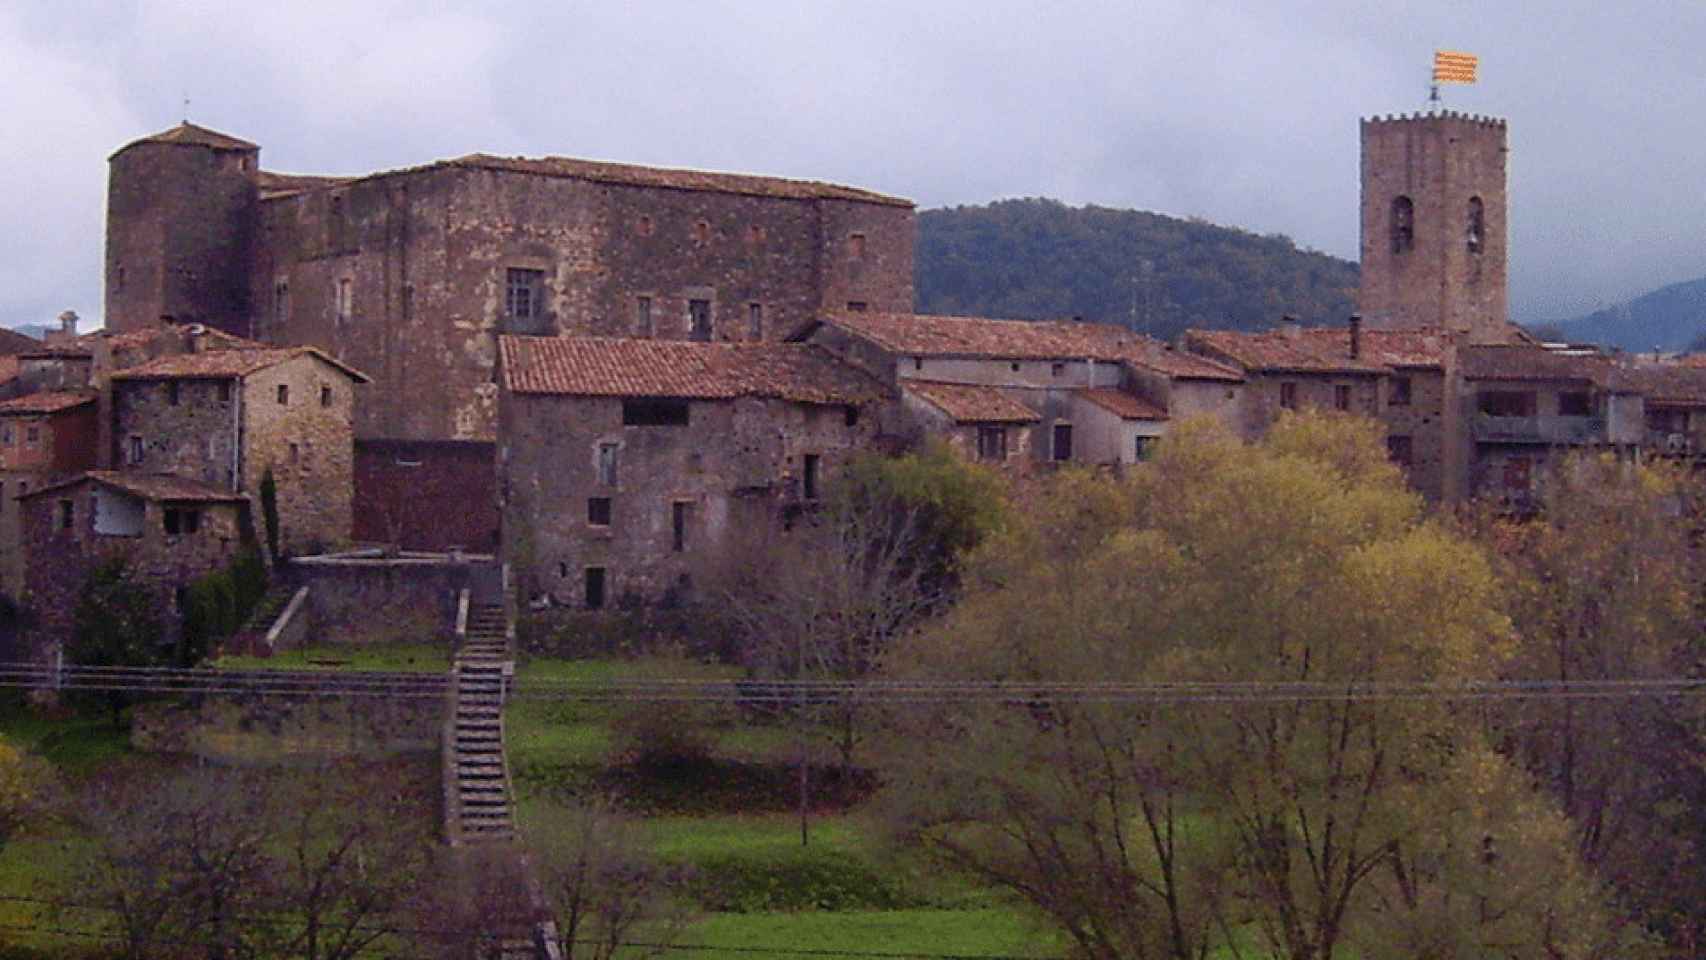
column 1604, row 586
column 26, row 782
column 600, row 887
column 117, row 622
column 269, row 511
column 1294, row 826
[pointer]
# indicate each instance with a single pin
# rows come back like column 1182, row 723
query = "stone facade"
column 403, row 487
column 226, row 418
column 1433, row 224
column 44, row 438
column 169, row 531
column 410, row 274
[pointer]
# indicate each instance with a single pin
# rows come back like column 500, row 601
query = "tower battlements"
column 1451, row 116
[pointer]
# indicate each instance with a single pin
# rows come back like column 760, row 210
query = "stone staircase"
column 481, row 796
column 250, row 638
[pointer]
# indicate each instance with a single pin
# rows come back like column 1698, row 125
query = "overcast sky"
column 1239, row 113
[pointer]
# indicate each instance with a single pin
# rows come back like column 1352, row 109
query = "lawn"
column 987, row 932
column 396, row 657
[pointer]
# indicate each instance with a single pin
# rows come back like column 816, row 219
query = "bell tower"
column 1433, row 224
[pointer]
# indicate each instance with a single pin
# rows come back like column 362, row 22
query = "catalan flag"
column 1453, row 67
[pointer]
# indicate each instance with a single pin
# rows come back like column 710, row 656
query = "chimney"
column 1289, row 327
column 1356, row 336
column 68, row 323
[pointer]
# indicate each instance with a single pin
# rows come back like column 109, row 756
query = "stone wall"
column 734, row 463
column 359, row 602
column 307, row 441
column 185, row 427
column 256, row 728
column 1423, row 420
column 1263, row 392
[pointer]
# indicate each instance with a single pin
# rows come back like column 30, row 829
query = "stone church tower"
column 1433, row 224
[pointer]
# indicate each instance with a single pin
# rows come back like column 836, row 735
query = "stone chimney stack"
column 1290, row 328
column 1356, row 336
column 67, row 328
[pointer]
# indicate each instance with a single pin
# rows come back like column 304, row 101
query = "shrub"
column 802, row 879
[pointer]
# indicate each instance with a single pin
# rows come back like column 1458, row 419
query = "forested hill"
column 1041, row 259
column 1669, row 318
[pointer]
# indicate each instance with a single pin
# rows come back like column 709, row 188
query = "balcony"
column 1554, row 430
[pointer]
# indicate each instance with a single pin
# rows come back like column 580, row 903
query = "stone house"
column 1525, row 406
column 623, row 464
column 227, row 417
column 1395, row 376
column 1673, row 396
column 1030, row 393
column 44, row 438
column 410, row 274
column 168, row 529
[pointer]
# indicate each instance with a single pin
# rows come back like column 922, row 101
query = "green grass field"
column 423, row 658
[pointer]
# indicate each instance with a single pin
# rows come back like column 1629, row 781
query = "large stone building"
column 624, row 463
column 411, row 274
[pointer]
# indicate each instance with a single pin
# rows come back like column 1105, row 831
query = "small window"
column 1057, row 369
column 992, row 443
column 284, row 394
column 755, row 321
column 67, row 514
column 524, row 298
column 295, row 453
column 917, row 363
column 1506, row 403
column 701, row 231
column 595, row 588
column 118, row 280
column 1288, row 395
column 643, row 317
column 643, row 226
column 856, row 246
column 224, row 391
column 855, row 306
column 809, row 488
column 850, row 415
column 1398, row 392
column 325, row 396
column 1013, row 367
column 1062, row 442
column 346, row 299
column 281, row 303
column 1477, row 226
column 679, row 513
column 1341, row 396
column 1403, row 224
column 654, row 413
column 755, row 235
column 181, row 520
column 598, row 511
column 1575, row 404
column 7, row 435
column 1398, row 450
column 699, row 320
column 172, row 393
column 32, row 436
column 1143, row 448
column 607, row 463
column 133, row 450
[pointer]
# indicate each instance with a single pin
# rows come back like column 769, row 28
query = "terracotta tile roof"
column 939, row 336
column 163, row 487
column 189, row 134
column 699, row 180
column 168, row 335
column 1674, row 384
column 273, row 184
column 622, row 367
column 1512, row 362
column 49, row 402
column 8, row 367
column 1323, row 349
column 1123, row 404
column 971, row 403
column 12, row 342
column 223, row 364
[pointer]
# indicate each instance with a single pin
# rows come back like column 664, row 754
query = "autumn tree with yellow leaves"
column 1285, row 806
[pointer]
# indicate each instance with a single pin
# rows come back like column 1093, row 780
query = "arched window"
column 1403, row 224
column 1477, row 225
